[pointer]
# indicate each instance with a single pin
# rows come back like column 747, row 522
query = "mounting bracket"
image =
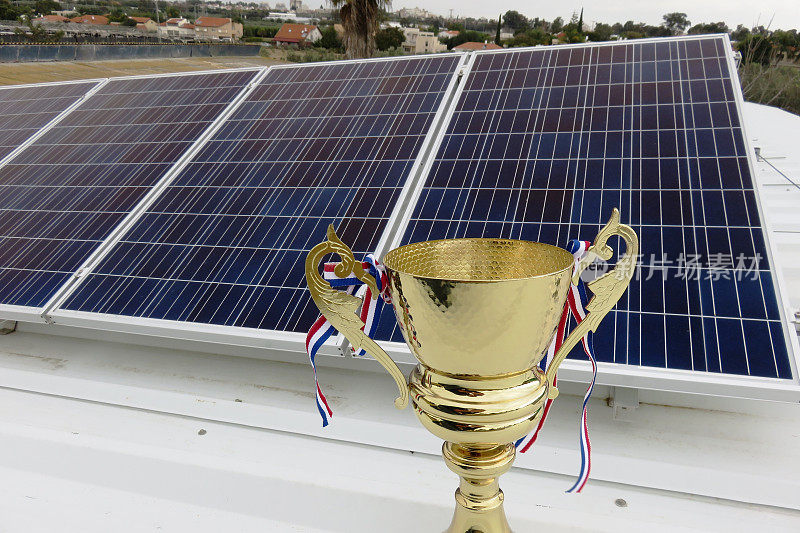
column 624, row 400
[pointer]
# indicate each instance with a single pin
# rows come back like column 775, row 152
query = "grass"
column 774, row 86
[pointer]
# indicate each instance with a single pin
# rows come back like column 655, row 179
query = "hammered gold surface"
column 478, row 259
column 478, row 307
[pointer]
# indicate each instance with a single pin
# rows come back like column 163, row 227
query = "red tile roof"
column 477, row 46
column 293, row 33
column 211, row 21
column 52, row 18
column 140, row 20
column 90, row 19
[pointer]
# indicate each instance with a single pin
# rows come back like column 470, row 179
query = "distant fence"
column 22, row 53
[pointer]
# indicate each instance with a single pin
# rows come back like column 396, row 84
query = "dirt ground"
column 17, row 73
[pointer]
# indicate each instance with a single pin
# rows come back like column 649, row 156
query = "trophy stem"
column 479, row 500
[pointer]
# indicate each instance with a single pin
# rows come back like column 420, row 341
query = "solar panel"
column 63, row 195
column 225, row 243
column 25, row 110
column 544, row 142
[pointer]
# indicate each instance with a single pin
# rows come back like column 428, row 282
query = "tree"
column 44, row 7
column 360, row 20
column 9, row 11
column 468, row 36
column 601, row 32
column 515, row 21
column 531, row 37
column 173, row 12
column 330, row 39
column 129, row 22
column 557, row 25
column 389, row 38
column 118, row 15
column 676, row 22
column 497, row 35
column 580, row 22
column 740, row 32
column 711, row 27
column 756, row 48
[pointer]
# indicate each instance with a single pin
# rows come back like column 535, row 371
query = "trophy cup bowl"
column 479, row 315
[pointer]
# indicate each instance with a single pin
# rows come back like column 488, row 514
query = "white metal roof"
column 776, row 136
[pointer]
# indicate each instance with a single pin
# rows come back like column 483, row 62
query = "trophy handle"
column 339, row 308
column 606, row 290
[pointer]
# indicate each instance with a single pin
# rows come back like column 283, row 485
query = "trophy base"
column 479, row 500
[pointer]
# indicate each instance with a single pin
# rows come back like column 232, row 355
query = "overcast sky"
column 732, row 12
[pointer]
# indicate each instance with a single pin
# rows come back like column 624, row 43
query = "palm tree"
column 360, row 23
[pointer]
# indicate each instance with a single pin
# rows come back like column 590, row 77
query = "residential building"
column 289, row 17
column 177, row 28
column 217, row 29
column 506, row 35
column 422, row 42
column 281, row 15
column 297, row 34
column 414, row 13
column 146, row 24
column 477, row 46
column 51, row 18
column 447, row 34
column 90, row 19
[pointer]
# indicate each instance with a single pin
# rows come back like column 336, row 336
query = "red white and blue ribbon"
column 370, row 314
column 576, row 302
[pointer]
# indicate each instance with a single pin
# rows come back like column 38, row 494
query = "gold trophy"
column 479, row 315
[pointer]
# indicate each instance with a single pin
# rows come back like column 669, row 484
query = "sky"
column 732, row 12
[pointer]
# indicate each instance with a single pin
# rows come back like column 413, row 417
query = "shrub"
column 770, row 85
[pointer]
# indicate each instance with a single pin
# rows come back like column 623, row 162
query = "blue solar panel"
column 312, row 145
column 24, row 110
column 65, row 193
column 544, row 142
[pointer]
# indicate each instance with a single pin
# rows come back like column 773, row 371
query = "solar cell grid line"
column 541, row 144
column 26, row 109
column 224, row 246
column 66, row 192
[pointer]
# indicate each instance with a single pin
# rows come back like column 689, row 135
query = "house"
column 477, row 46
column 297, row 34
column 447, row 34
column 421, row 42
column 51, row 18
column 217, row 29
column 177, row 28
column 90, row 19
column 145, row 23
